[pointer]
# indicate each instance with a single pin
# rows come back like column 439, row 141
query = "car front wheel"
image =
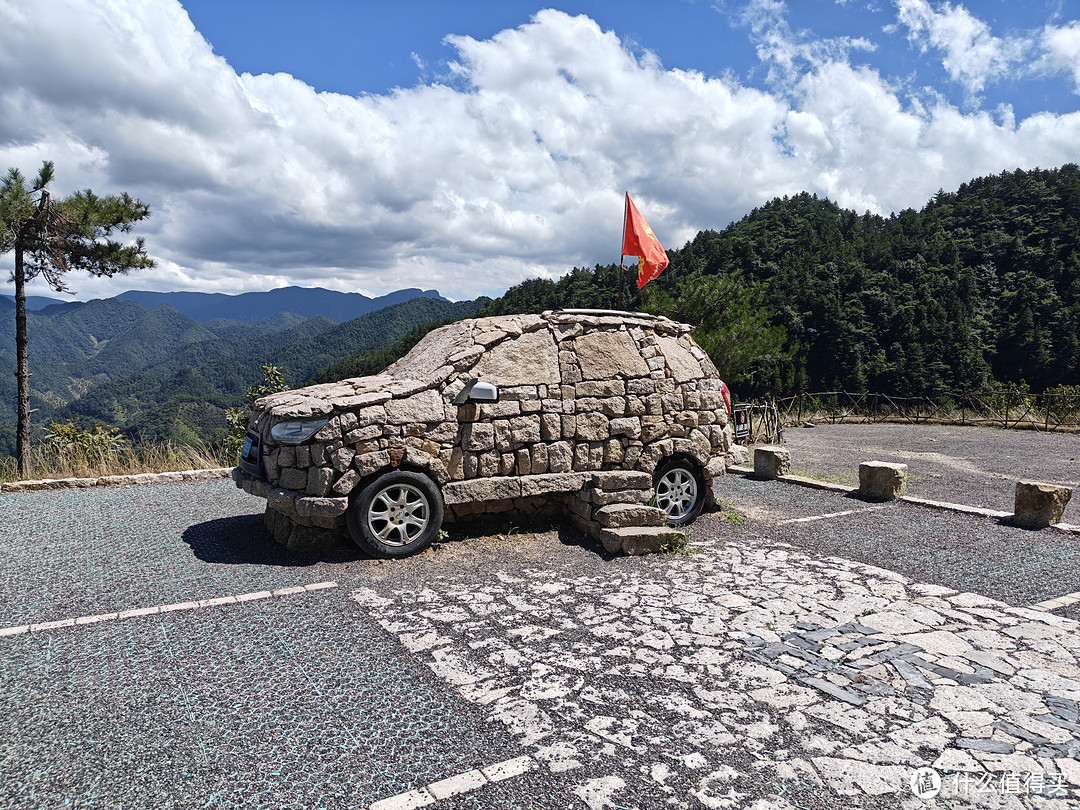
column 680, row 491
column 396, row 515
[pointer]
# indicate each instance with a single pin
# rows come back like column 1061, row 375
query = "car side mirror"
column 476, row 391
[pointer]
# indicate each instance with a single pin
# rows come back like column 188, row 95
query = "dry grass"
column 127, row 460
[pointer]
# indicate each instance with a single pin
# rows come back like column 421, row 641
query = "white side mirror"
column 476, row 391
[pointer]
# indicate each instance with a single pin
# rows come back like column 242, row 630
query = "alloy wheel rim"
column 676, row 493
column 398, row 515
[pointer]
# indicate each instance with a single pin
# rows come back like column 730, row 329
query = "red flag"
column 639, row 240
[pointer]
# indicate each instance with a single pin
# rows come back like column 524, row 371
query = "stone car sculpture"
column 618, row 419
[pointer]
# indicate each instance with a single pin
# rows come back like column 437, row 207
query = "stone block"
column 525, row 429
column 347, row 482
column 607, row 355
column 637, row 540
column 539, row 459
column 770, row 462
column 482, row 489
column 368, row 463
column 550, row 427
column 478, row 436
column 488, row 464
column 592, row 427
column 294, row 479
column 632, row 496
column 319, row 480
column 620, row 479
column 426, row 406
column 329, row 432
column 1039, row 505
column 321, row 507
column 618, row 515
column 629, row 426
column 560, row 457
column 342, row 458
column 551, row 482
column 881, row 480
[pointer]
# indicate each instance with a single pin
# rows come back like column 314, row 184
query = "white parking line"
column 832, row 514
column 456, row 785
column 1057, row 602
column 152, row 611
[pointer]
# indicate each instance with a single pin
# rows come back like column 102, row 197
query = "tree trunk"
column 22, row 369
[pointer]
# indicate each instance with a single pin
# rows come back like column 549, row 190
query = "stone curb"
column 116, row 480
column 801, row 480
column 1058, row 602
column 957, row 507
column 946, row 506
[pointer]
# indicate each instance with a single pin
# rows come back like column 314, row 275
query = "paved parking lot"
column 975, row 466
column 779, row 663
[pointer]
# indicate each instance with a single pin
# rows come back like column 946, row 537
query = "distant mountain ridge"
column 32, row 301
column 162, row 374
column 308, row 302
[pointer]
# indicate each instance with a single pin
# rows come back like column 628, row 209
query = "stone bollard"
column 1038, row 505
column 882, row 481
column 770, row 462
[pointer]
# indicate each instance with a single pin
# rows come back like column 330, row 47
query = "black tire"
column 397, row 514
column 680, row 490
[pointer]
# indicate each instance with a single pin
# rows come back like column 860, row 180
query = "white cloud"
column 1062, row 51
column 972, row 55
column 513, row 167
column 789, row 53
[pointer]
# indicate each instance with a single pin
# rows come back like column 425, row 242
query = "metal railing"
column 1015, row 410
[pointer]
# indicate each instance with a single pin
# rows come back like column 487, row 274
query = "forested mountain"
column 250, row 307
column 979, row 287
column 32, row 301
column 184, row 397
column 982, row 286
column 163, row 375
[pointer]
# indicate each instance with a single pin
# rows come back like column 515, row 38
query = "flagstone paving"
column 748, row 674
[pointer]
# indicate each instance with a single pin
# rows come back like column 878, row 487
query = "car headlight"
column 295, row 430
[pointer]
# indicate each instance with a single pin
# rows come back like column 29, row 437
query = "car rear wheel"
column 397, row 514
column 680, row 490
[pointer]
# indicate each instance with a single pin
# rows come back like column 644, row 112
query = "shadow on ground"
column 244, row 540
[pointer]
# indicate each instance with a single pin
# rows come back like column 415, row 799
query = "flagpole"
column 622, row 244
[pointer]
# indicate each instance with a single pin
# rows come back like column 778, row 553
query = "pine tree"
column 50, row 238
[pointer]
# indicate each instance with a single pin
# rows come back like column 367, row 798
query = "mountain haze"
column 249, row 307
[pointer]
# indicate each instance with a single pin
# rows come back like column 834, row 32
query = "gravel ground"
column 71, row 553
column 299, row 701
column 294, row 702
column 307, row 701
column 964, row 552
column 970, row 465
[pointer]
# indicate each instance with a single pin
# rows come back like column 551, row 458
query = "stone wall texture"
column 578, row 394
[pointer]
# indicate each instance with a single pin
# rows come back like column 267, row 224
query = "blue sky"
column 363, row 47
column 466, row 146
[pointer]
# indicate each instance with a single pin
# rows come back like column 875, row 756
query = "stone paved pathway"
column 746, row 674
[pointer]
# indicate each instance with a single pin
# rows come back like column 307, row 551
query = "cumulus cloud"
column 972, row 55
column 789, row 53
column 511, row 166
column 1061, row 47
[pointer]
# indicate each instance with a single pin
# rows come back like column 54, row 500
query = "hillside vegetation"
column 980, row 287
column 161, row 376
